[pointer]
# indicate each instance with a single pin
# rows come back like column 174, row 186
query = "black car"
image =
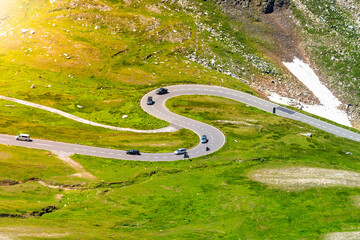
column 133, row 152
column 161, row 91
column 150, row 101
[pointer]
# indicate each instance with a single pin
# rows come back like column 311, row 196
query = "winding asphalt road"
column 159, row 110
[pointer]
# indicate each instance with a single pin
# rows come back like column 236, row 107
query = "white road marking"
column 43, row 144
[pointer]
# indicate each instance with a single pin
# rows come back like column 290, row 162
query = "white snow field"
column 329, row 103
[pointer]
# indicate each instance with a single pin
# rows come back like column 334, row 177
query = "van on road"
column 23, row 137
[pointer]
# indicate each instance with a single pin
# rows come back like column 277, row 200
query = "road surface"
column 159, row 110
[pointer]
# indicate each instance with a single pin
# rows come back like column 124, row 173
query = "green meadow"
column 208, row 197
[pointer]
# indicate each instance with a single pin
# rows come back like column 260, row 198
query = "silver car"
column 180, row 151
column 23, row 137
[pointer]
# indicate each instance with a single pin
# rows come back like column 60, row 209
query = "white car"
column 180, row 151
column 23, row 137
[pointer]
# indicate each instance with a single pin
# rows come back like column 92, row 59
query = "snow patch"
column 329, row 103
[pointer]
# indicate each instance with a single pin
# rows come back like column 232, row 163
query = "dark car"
column 204, row 139
column 150, row 101
column 161, row 91
column 133, row 152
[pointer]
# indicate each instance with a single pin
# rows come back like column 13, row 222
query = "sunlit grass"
column 6, row 5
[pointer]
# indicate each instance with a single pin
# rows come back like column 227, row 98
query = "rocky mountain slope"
column 325, row 34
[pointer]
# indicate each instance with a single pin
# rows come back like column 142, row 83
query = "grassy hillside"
column 104, row 56
column 96, row 59
column 209, row 197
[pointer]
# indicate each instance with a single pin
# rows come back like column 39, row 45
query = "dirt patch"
column 5, row 237
column 59, row 197
column 8, row 182
column 299, row 178
column 43, row 235
column 235, row 122
column 65, row 157
column 80, row 175
column 342, row 236
column 9, row 233
column 288, row 44
column 63, row 187
column 5, row 155
column 277, row 28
